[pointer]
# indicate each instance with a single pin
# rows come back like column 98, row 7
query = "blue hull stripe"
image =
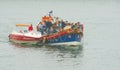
column 65, row 38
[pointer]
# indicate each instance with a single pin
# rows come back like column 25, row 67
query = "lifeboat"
column 71, row 34
column 24, row 36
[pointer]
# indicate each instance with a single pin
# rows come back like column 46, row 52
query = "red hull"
column 23, row 39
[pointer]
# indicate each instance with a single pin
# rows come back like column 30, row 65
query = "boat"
column 67, row 36
column 24, row 36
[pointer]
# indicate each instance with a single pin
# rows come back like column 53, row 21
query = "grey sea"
column 101, row 43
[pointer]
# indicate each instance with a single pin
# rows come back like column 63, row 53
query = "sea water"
column 101, row 43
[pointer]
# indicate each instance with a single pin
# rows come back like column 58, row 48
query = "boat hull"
column 21, row 39
column 61, row 38
column 66, row 39
column 23, row 42
column 67, row 43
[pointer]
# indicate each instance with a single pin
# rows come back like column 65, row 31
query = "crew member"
column 30, row 28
